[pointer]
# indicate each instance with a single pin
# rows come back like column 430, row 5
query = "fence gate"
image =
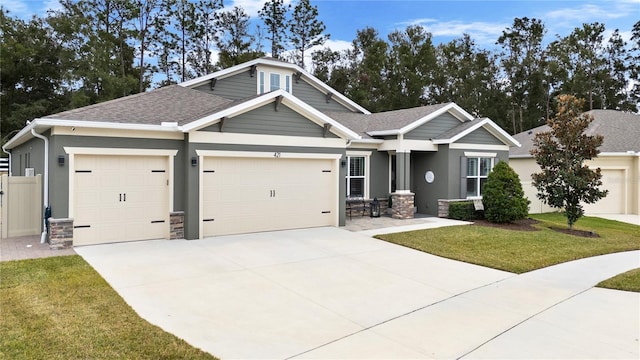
column 20, row 205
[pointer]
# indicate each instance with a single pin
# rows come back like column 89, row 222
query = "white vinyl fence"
column 20, row 205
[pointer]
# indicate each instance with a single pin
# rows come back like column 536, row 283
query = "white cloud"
column 251, row 7
column 584, row 13
column 16, row 7
column 483, row 33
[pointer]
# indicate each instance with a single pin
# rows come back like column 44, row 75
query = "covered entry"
column 250, row 192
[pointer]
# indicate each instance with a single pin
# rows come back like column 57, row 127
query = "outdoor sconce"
column 61, row 160
column 343, row 163
column 194, row 161
column 374, row 208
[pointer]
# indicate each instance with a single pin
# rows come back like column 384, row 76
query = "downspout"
column 8, row 153
column 43, row 237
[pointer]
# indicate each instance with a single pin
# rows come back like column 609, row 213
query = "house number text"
column 276, row 154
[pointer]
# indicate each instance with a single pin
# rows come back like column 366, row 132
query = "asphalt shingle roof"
column 168, row 104
column 388, row 120
column 621, row 133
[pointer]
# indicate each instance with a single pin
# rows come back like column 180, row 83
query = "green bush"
column 463, row 210
column 503, row 197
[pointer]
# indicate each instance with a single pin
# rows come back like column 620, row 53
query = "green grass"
column 60, row 308
column 522, row 251
column 629, row 281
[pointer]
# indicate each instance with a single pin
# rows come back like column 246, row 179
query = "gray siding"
column 317, row 99
column 434, row 127
column 445, row 164
column 235, row 87
column 427, row 194
column 267, row 121
column 379, row 174
column 59, row 175
column 192, row 182
column 480, row 136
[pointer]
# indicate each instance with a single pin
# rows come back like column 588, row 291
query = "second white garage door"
column 242, row 195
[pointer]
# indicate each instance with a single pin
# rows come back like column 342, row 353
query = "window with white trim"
column 261, row 82
column 356, row 176
column 478, row 169
column 274, row 81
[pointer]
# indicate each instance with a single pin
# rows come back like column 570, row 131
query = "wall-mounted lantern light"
column 61, row 160
column 194, row 161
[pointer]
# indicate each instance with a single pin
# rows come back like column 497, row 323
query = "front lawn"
column 522, row 251
column 60, row 308
column 629, row 281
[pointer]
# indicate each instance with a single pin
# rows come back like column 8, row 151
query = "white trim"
column 265, row 154
column 119, row 151
column 210, row 137
column 464, row 146
column 288, row 100
column 402, row 145
column 480, row 154
column 142, row 134
column 452, row 108
column 358, row 153
column 493, row 128
column 367, row 170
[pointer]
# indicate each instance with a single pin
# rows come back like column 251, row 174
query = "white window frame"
column 478, row 176
column 359, row 154
column 273, row 87
column 261, row 82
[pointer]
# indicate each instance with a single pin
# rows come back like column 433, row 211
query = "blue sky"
column 446, row 20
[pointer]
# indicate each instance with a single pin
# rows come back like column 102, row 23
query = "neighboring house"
column 619, row 160
column 259, row 146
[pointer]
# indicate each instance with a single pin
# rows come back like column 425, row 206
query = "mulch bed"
column 527, row 225
column 519, row 225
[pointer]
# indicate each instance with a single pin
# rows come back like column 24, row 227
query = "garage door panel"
column 117, row 198
column 614, row 203
column 262, row 194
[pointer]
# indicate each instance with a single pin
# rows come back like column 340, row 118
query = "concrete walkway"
column 331, row 293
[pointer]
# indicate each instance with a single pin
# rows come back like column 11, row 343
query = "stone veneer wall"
column 403, row 205
column 359, row 211
column 60, row 233
column 176, row 220
column 443, row 206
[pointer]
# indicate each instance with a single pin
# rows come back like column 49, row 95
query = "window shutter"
column 463, row 177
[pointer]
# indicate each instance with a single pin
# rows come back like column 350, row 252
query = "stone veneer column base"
column 402, row 205
column 60, row 233
column 176, row 220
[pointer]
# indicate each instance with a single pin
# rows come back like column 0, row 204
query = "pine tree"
column 305, row 30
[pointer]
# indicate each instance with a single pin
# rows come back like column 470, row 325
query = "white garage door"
column 613, row 203
column 242, row 195
column 120, row 198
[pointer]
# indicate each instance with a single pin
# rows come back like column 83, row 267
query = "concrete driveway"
column 329, row 293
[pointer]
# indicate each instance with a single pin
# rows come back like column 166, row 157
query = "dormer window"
column 273, row 81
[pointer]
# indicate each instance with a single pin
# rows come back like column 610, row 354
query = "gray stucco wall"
column 192, row 206
column 32, row 149
column 59, row 175
column 234, row 87
column 379, row 174
column 266, row 121
column 445, row 164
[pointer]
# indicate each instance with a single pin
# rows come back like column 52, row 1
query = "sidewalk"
column 28, row 247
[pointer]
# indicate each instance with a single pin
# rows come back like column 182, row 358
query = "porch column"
column 402, row 199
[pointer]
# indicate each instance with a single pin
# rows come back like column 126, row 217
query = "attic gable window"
column 274, row 81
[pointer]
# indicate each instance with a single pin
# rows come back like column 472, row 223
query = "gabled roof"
column 621, row 131
column 281, row 64
column 468, row 127
column 391, row 122
column 168, row 104
column 241, row 106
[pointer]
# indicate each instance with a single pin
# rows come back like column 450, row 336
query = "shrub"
column 502, row 195
column 463, row 210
